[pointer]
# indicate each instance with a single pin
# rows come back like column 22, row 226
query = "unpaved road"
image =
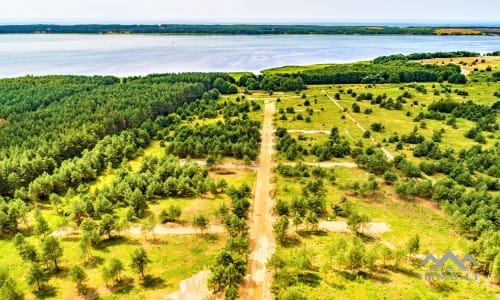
column 257, row 284
column 195, row 287
column 308, row 131
column 167, row 229
column 325, row 164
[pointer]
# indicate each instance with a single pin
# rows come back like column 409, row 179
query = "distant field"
column 460, row 31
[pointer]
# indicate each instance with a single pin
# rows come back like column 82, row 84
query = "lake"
column 124, row 55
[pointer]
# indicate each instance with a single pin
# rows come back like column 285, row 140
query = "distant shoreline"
column 245, row 29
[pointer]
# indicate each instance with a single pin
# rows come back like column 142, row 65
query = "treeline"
column 230, row 264
column 217, row 29
column 272, row 82
column 53, row 119
column 388, row 72
column 424, row 55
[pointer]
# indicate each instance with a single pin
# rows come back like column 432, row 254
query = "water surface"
column 124, row 55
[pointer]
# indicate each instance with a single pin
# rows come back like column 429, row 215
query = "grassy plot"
column 327, row 278
column 293, row 69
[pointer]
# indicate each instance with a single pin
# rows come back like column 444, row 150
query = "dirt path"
column 464, row 71
column 257, row 284
column 386, row 152
column 167, row 229
column 308, row 131
column 175, row 229
column 325, row 164
column 195, row 287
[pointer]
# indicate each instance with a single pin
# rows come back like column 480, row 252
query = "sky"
column 249, row 11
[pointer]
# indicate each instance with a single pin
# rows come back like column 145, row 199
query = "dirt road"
column 257, row 284
column 326, row 164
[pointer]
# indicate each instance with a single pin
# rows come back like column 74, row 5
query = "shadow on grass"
column 124, row 286
column 375, row 276
column 94, row 262
column 46, row 291
column 210, row 237
column 291, row 241
column 116, row 240
column 309, row 278
column 404, row 271
column 441, row 286
column 308, row 233
column 152, row 282
column 90, row 293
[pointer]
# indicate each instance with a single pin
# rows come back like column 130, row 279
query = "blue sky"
column 237, row 11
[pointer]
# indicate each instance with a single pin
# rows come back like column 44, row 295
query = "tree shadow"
column 317, row 232
column 47, row 291
column 210, row 237
column 153, row 282
column 94, row 262
column 376, row 277
column 124, row 286
column 404, row 271
column 90, row 293
column 116, row 240
column 291, row 241
column 347, row 275
column 441, row 286
column 309, row 278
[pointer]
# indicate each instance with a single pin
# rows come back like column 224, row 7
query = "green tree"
column 386, row 254
column 276, row 262
column 355, row 255
column 37, row 275
column 139, row 261
column 107, row 225
column 28, row 252
column 311, row 219
column 78, row 276
column 280, row 228
column 85, row 246
column 137, row 202
column 356, row 222
column 413, row 244
column 112, row 270
column 41, row 226
column 297, row 220
column 51, row 251
column 174, row 212
column 8, row 287
column 201, row 222
column 495, row 270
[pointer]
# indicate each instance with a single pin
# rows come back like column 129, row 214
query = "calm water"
column 142, row 54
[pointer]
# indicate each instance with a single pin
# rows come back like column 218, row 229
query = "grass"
column 438, row 232
column 173, row 258
column 462, row 31
column 238, row 75
column 405, row 218
column 294, row 69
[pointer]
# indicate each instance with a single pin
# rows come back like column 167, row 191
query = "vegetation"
column 372, row 172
